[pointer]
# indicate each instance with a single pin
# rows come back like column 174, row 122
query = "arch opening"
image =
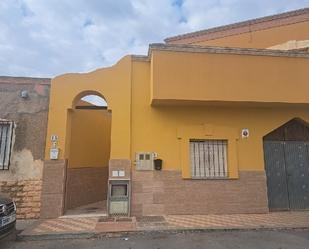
column 94, row 100
column 89, row 98
column 88, row 154
column 294, row 130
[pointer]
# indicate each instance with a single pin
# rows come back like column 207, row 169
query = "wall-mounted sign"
column 245, row 133
column 115, row 173
column 118, row 173
column 121, row 173
column 54, row 153
column 54, row 138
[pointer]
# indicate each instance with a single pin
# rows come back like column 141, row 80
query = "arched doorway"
column 88, row 155
column 286, row 154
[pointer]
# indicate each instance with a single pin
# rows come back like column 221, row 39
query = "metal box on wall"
column 119, row 187
column 119, row 197
column 145, row 160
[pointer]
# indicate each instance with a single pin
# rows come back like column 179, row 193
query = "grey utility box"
column 118, row 203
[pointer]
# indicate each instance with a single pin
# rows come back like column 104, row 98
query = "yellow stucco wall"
column 114, row 84
column 90, row 138
column 157, row 128
column 257, row 39
column 195, row 97
column 166, row 129
column 228, row 77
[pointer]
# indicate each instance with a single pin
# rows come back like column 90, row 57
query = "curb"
column 86, row 235
column 62, row 236
column 194, row 230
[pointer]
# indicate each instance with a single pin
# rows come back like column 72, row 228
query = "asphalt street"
column 283, row 239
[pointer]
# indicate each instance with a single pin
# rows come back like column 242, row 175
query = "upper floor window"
column 6, row 135
column 208, row 158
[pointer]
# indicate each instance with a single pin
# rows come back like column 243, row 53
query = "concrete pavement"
column 87, row 227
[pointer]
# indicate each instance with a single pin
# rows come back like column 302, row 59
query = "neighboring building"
column 228, row 122
column 23, row 124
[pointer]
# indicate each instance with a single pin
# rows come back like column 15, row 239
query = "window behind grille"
column 208, row 158
column 6, row 133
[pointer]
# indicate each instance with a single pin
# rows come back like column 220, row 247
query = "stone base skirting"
column 153, row 192
column 53, row 188
column 85, row 185
column 65, row 188
column 26, row 194
column 165, row 192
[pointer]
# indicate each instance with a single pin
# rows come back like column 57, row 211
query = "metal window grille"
column 208, row 158
column 6, row 134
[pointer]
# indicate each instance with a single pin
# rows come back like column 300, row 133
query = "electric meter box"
column 145, row 160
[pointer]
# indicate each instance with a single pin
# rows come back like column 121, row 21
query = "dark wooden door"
column 277, row 189
column 287, row 171
column 297, row 170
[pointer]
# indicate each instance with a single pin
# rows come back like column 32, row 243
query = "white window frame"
column 208, row 158
column 6, row 141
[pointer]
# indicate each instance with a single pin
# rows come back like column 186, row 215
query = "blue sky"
column 49, row 37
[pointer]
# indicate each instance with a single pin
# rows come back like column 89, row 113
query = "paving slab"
column 22, row 224
column 120, row 224
column 60, row 226
column 241, row 221
column 94, row 226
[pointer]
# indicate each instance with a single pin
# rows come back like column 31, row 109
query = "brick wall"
column 165, row 192
column 85, row 186
column 53, row 189
column 26, row 194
